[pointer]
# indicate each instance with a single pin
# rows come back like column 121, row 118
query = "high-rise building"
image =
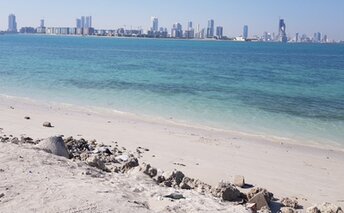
column 190, row 25
column 78, row 23
column 297, row 37
column 177, row 31
column 245, row 32
column 282, row 35
column 12, row 24
column 318, row 37
column 219, row 32
column 155, row 24
column 211, row 28
column 83, row 21
column 41, row 23
column 88, row 23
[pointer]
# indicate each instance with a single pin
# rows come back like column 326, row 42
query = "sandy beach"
column 312, row 173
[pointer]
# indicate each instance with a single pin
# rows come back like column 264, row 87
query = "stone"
column 265, row 210
column 289, row 202
column 259, row 200
column 2, row 195
column 268, row 195
column 324, row 208
column 177, row 176
column 227, row 192
column 239, row 181
column 252, row 207
column 150, row 171
column 27, row 118
column 131, row 163
column 122, row 158
column 54, row 145
column 175, row 196
column 287, row 210
column 94, row 161
column 47, row 124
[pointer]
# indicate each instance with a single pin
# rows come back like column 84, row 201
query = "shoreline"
column 313, row 174
column 177, row 122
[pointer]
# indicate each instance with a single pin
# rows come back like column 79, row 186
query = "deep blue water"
column 288, row 90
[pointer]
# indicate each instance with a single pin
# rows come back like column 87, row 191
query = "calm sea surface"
column 288, row 90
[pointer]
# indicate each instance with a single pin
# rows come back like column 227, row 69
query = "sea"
column 288, row 91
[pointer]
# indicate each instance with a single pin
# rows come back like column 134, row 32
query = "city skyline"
column 303, row 17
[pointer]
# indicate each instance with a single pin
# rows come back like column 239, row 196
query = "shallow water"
column 288, row 90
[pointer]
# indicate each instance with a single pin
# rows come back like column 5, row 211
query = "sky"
column 303, row 16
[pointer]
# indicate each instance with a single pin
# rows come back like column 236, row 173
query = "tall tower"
column 282, row 35
column 88, row 23
column 83, row 24
column 155, row 24
column 12, row 23
column 41, row 23
column 210, row 29
column 245, row 32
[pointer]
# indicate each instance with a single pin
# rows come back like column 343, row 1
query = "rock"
column 47, row 124
column 289, row 202
column 150, row 171
column 227, row 192
column 54, row 145
column 268, row 195
column 325, row 208
column 94, row 161
column 2, row 195
column 259, row 200
column 122, row 158
column 131, row 163
column 27, row 118
column 265, row 210
column 177, row 177
column 252, row 207
column 287, row 210
column 175, row 196
column 239, row 181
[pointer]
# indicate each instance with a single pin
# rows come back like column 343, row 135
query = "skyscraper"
column 82, row 21
column 155, row 24
column 12, row 24
column 78, row 23
column 219, row 32
column 177, row 31
column 41, row 23
column 245, row 32
column 282, row 35
column 88, row 23
column 211, row 28
column 190, row 25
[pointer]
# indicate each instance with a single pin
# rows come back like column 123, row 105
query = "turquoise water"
column 287, row 90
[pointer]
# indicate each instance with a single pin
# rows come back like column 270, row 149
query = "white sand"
column 312, row 174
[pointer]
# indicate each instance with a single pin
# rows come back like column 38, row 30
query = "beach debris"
column 11, row 107
column 287, row 210
column 54, row 145
column 290, row 202
column 227, row 192
column 122, row 158
column 268, row 195
column 239, row 181
column 259, row 200
column 47, row 124
column 175, row 196
column 27, row 118
column 324, row 208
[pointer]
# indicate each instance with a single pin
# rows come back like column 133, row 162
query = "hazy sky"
column 304, row 16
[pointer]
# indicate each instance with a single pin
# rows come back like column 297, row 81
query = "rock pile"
column 324, row 208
